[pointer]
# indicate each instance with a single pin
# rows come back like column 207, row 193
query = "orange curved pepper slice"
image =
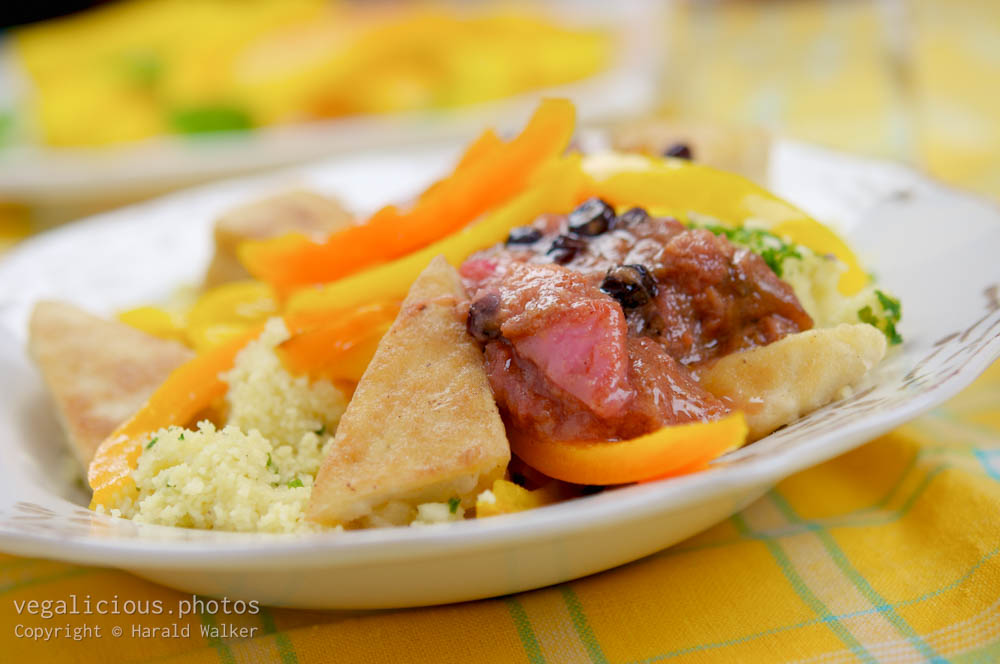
column 669, row 451
column 478, row 151
column 188, row 390
column 485, row 146
column 337, row 348
column 489, row 174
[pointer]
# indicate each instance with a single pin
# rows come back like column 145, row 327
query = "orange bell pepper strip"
column 668, row 451
column 486, row 146
column 491, row 173
column 188, row 390
column 337, row 348
column 483, row 147
column 557, row 189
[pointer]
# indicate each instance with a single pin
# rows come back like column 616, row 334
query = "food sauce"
column 592, row 323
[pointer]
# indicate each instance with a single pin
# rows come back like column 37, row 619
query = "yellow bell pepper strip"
column 227, row 311
column 217, row 315
column 187, row 391
column 490, row 175
column 156, row 322
column 336, row 347
column 509, row 498
column 678, row 187
column 661, row 453
column 557, row 189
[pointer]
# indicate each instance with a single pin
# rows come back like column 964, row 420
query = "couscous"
column 254, row 473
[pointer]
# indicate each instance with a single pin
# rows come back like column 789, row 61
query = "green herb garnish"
column 209, row 119
column 884, row 313
column 152, row 442
column 320, row 431
column 890, row 304
column 886, row 319
column 865, row 315
column 181, row 437
column 775, row 258
column 765, row 244
column 453, row 504
column 294, row 484
column 273, row 467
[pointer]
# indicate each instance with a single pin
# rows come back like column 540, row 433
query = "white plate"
column 933, row 246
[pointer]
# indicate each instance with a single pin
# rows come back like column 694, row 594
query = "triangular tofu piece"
column 99, row 372
column 423, row 425
column 777, row 384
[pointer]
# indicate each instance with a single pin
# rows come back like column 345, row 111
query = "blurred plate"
column 75, row 178
column 946, row 275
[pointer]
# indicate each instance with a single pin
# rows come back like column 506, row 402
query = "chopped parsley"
column 453, row 504
column 890, row 305
column 885, row 319
column 270, row 464
column 765, row 244
column 180, row 437
column 294, row 484
column 882, row 311
column 775, row 257
column 152, row 442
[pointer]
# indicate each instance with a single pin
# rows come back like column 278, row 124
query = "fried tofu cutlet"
column 99, row 372
column 777, row 384
column 422, row 426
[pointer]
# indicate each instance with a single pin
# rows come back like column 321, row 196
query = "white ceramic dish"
column 933, row 246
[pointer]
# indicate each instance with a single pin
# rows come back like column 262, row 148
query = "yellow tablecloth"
column 888, row 553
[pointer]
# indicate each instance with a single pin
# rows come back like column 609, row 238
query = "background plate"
column 75, row 178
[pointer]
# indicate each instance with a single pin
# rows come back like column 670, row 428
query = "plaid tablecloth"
column 888, row 553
